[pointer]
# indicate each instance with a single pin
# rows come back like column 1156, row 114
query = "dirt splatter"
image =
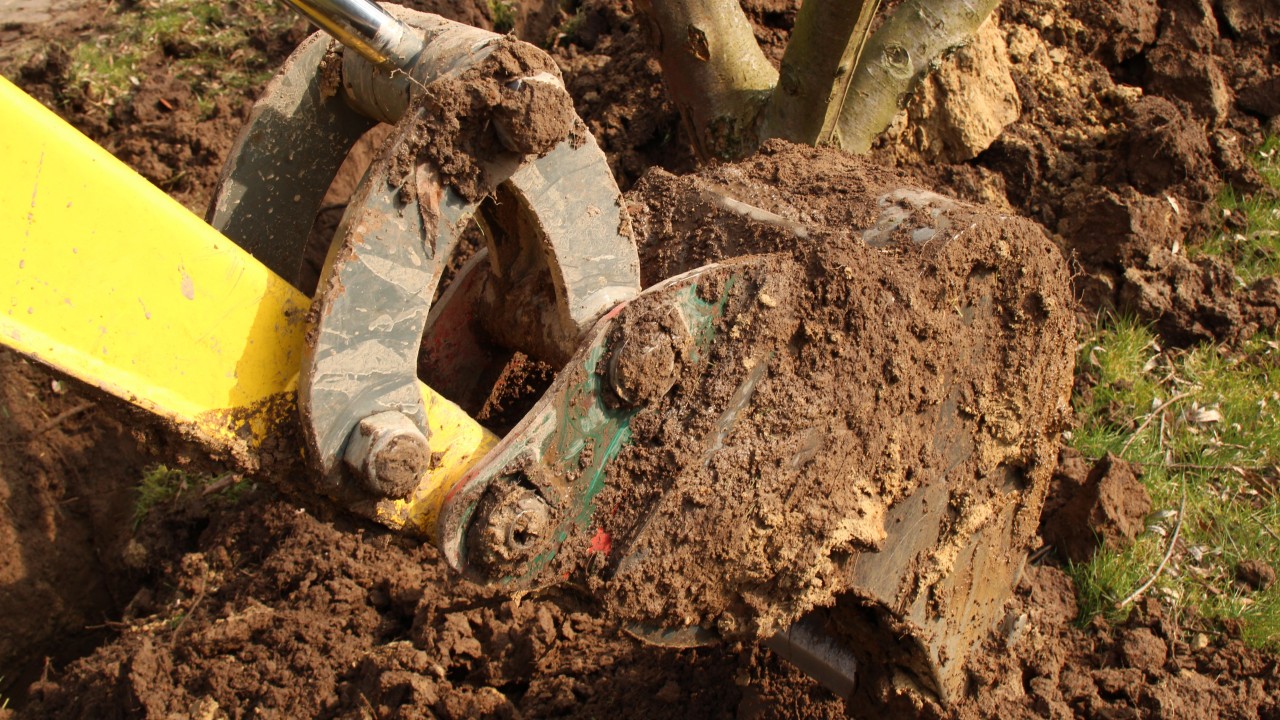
column 512, row 101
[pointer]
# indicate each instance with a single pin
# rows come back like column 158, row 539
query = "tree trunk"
column 817, row 69
column 715, row 72
column 897, row 55
column 837, row 86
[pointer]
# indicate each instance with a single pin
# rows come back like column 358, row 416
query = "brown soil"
column 1131, row 115
column 1040, row 664
column 1107, row 507
column 490, row 110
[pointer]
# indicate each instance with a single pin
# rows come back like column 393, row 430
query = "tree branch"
column 817, row 69
column 715, row 73
column 910, row 42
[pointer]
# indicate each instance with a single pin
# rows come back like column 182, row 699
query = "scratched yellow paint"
column 107, row 279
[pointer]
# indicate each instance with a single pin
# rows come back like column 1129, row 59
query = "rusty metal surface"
column 564, row 444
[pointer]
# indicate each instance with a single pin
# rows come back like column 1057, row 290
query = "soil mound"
column 280, row 611
column 1133, row 116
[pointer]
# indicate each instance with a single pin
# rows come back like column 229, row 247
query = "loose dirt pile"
column 1133, row 115
column 277, row 611
column 1040, row 665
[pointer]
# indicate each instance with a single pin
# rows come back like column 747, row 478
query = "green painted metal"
column 577, row 413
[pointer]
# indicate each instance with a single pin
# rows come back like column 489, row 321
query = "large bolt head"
column 512, row 524
column 647, row 355
column 388, row 453
column 642, row 369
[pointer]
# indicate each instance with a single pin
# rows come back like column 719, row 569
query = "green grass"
column 161, row 484
column 504, row 15
column 205, row 44
column 1204, row 422
column 1254, row 244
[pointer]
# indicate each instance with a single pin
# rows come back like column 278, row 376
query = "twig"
column 63, row 417
column 1039, row 555
column 204, row 584
column 222, row 483
column 1152, row 416
column 57, row 420
column 1197, row 466
column 1168, row 553
column 1265, row 527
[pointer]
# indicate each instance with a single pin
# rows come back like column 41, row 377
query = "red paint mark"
column 602, row 542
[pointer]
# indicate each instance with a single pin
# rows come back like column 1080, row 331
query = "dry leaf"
column 1203, row 416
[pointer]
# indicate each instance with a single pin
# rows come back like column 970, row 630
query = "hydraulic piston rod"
column 365, row 27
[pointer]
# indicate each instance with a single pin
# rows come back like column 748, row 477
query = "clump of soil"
column 960, row 110
column 1041, row 665
column 502, row 105
column 1105, row 509
column 867, row 369
column 1255, row 575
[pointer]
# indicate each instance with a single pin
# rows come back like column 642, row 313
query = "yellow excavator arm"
column 109, row 280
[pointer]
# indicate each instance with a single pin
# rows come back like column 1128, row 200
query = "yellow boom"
column 109, row 280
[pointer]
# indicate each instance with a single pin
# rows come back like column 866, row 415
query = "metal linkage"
column 561, row 226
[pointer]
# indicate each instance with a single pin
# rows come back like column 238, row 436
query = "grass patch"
column 205, row 44
column 504, row 15
column 161, row 484
column 1204, row 423
column 1252, row 239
